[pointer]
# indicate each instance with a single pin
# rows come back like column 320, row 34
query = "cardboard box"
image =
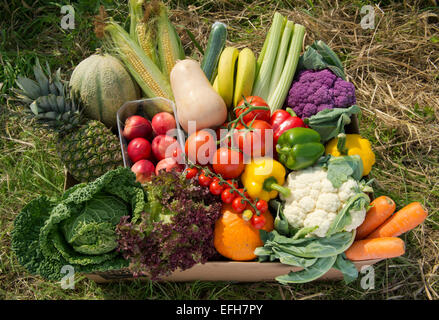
column 225, row 271
column 251, row 271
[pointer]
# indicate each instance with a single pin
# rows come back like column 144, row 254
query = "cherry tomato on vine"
column 215, row 187
column 255, row 114
column 262, row 206
column 258, row 222
column 239, row 204
column 204, row 180
column 191, row 172
column 227, row 196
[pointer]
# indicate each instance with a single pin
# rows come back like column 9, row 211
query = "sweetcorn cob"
column 146, row 38
column 170, row 48
column 136, row 15
column 141, row 67
column 143, row 28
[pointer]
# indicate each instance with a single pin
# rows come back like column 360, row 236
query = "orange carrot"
column 402, row 221
column 379, row 248
column 382, row 208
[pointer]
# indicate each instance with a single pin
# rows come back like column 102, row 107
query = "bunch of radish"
column 152, row 146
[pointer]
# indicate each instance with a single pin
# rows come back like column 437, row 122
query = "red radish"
column 138, row 149
column 162, row 122
column 143, row 169
column 137, row 127
column 164, row 146
column 168, row 164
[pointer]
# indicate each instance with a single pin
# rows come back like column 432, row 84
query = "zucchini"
column 215, row 45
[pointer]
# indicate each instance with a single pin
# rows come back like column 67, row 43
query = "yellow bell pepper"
column 350, row 144
column 263, row 179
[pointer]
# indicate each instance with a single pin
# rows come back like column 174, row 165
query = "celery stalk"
column 277, row 97
column 262, row 54
column 281, row 55
column 262, row 82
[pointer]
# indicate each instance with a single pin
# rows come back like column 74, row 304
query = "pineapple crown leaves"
column 43, row 86
column 48, row 99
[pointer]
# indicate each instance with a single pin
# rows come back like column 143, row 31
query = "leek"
column 281, row 55
column 278, row 96
column 262, row 82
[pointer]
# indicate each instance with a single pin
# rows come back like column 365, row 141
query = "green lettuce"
column 79, row 229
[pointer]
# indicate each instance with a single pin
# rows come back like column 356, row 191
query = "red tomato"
column 258, row 142
column 191, row 172
column 216, row 188
column 263, row 115
column 239, row 204
column 200, row 147
column 258, row 222
column 227, row 196
column 204, row 180
column 228, row 163
column 262, row 206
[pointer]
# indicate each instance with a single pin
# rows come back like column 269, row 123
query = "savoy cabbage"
column 79, row 229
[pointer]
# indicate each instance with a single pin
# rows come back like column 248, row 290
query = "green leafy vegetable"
column 313, row 247
column 280, row 222
column 317, row 270
column 342, row 168
column 355, row 203
column 319, row 56
column 315, row 254
column 330, row 122
column 92, row 231
column 304, row 231
column 350, row 272
column 79, row 229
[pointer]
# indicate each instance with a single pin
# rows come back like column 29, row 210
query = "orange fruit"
column 237, row 239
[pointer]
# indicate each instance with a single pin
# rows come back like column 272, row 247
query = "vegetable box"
column 213, row 270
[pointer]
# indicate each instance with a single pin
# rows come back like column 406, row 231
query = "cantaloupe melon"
column 104, row 85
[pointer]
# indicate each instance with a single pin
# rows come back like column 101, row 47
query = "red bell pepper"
column 283, row 120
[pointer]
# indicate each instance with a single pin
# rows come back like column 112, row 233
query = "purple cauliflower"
column 313, row 91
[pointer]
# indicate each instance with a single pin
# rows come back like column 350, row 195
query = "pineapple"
column 87, row 147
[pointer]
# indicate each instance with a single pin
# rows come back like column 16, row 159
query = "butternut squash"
column 195, row 98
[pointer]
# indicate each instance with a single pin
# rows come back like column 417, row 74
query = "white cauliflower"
column 315, row 202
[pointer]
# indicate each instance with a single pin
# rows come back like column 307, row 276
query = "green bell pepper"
column 299, row 148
